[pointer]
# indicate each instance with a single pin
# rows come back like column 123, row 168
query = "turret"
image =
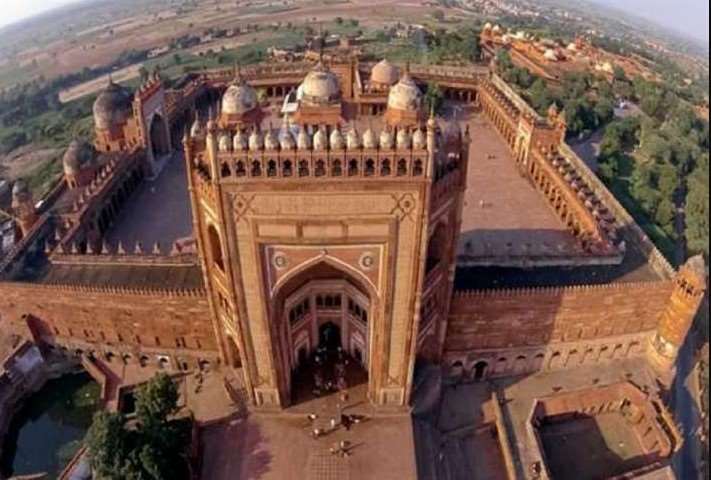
column 23, row 207
column 678, row 317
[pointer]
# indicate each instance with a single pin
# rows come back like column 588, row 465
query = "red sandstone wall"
column 113, row 320
column 537, row 317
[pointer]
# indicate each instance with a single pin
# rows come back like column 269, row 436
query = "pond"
column 47, row 431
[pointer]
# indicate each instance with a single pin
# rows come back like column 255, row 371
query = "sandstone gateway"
column 328, row 207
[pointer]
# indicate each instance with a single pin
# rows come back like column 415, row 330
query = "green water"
column 47, row 432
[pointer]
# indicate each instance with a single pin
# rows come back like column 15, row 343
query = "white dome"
column 320, row 139
column 369, row 139
column 225, row 142
column 286, row 139
column 256, row 142
column 386, row 139
column 385, row 73
column 488, row 26
column 303, row 140
column 405, row 95
column 336, row 140
column 419, row 140
column 239, row 98
column 353, row 139
column 550, row 54
column 403, row 139
column 271, row 142
column 196, row 129
column 239, row 142
column 320, row 87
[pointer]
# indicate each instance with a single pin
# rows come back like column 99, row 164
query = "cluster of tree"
column 588, row 102
column 154, row 449
column 462, row 45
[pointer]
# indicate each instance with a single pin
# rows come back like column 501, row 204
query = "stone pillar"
column 678, row 317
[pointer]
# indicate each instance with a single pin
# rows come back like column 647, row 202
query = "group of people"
column 338, row 381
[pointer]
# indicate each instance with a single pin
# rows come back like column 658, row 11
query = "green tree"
column 107, row 445
column 438, row 15
column 697, row 209
column 157, row 400
column 540, row 95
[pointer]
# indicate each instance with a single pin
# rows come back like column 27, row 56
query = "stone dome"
column 225, row 142
column 369, row 139
column 286, row 138
column 239, row 141
column 256, row 142
column 271, row 142
column 336, row 140
column 320, row 139
column 385, row 73
column 403, row 139
column 352, row 139
column 405, row 95
column 488, row 26
column 196, row 129
column 113, row 107
column 419, row 140
column 78, row 156
column 239, row 98
column 386, row 139
column 303, row 140
column 320, row 87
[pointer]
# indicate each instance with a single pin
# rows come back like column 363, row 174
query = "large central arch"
column 313, row 306
column 160, row 140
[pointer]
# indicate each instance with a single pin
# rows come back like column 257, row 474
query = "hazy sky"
column 685, row 16
column 690, row 16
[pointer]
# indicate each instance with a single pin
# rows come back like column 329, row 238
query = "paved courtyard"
column 158, row 212
column 503, row 214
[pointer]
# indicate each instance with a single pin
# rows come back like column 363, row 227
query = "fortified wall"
column 133, row 325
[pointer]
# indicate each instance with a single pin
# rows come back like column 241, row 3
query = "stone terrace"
column 505, row 219
column 158, row 212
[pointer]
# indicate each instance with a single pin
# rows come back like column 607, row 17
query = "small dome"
column 353, row 139
column 196, row 129
column 113, row 107
column 497, row 29
column 320, row 139
column 419, row 140
column 403, row 139
column 385, row 73
column 303, row 140
column 256, row 142
column 336, row 140
column 225, row 142
column 239, row 141
column 386, row 139
column 488, row 26
column 550, row 54
column 239, row 98
column 78, row 156
column 405, row 95
column 271, row 142
column 320, row 87
column 286, row 139
column 369, row 139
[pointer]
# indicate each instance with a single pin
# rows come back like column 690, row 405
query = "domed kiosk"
column 404, row 103
column 113, row 111
column 239, row 105
column 384, row 75
column 79, row 164
column 319, row 97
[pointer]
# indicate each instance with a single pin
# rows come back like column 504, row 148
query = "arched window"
column 401, row 167
column 337, row 170
column 287, row 170
column 215, row 248
column 385, row 169
column 240, row 170
column 303, row 168
column 256, row 169
column 271, row 169
column 353, row 168
column 369, row 167
column 320, row 170
column 418, row 170
column 225, row 170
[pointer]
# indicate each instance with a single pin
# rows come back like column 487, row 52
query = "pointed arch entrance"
column 322, row 321
column 160, row 140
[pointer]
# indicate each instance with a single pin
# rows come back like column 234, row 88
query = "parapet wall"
column 111, row 319
column 506, row 319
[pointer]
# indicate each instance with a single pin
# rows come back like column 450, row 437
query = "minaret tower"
column 677, row 319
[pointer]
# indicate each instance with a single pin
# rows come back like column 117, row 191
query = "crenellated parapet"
column 120, row 254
